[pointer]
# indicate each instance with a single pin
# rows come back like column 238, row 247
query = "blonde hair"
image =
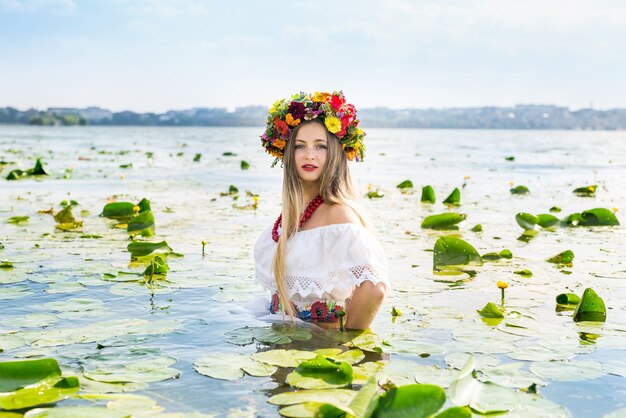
column 335, row 187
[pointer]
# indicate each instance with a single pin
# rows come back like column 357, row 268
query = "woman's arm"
column 364, row 304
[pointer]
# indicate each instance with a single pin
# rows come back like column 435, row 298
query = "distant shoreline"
column 509, row 118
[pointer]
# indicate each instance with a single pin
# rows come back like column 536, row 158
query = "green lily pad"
column 231, row 366
column 416, row 401
column 477, row 228
column 545, row 220
column 17, row 220
column 276, row 334
column 497, row 256
column 526, row 220
column 598, row 217
column 65, row 219
column 76, row 412
column 284, row 358
column 374, row 194
column 428, row 194
column 491, row 311
column 524, row 273
column 443, row 220
column 321, row 373
column 568, row 371
column 118, row 210
column 568, row 299
column 37, row 170
column 245, row 165
column 455, row 412
column 145, row 248
column 566, row 257
column 590, row 308
column 5, row 264
column 142, row 224
column 519, row 190
column 454, row 198
column 586, row 191
column 157, row 267
column 555, row 209
column 26, row 383
column 452, row 251
column 337, row 397
column 368, row 342
column 406, row 184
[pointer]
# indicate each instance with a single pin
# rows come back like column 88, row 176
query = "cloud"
column 164, row 8
column 57, row 6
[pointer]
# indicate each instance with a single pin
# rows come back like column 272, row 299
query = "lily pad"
column 321, row 373
column 507, row 254
column 17, row 220
column 276, row 334
column 118, row 210
column 566, row 258
column 332, row 396
column 586, row 191
column 598, row 217
column 568, row 371
column 545, row 220
column 443, row 220
column 75, row 412
column 142, row 224
column 568, row 299
column 524, row 273
column 245, row 165
column 145, row 248
column 519, row 190
column 406, row 184
column 231, row 366
column 66, row 220
column 368, row 342
column 428, row 194
column 590, row 308
column 416, row 401
column 284, row 358
column 454, row 198
column 491, row 311
column 452, row 251
column 37, row 170
column 26, row 383
column 526, row 220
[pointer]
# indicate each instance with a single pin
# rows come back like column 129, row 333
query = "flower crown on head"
column 338, row 116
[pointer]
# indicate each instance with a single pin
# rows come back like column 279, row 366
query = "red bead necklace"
column 314, row 204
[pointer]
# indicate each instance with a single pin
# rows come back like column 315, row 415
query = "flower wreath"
column 338, row 116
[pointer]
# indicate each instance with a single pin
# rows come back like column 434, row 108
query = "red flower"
column 275, row 303
column 319, row 311
column 336, row 102
column 337, row 309
column 297, row 110
column 281, row 126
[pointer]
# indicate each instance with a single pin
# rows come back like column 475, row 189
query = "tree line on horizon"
column 517, row 117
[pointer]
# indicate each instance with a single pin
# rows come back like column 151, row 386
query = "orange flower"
column 320, row 97
column 291, row 121
column 279, row 143
column 351, row 153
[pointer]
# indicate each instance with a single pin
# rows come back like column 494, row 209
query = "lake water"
column 582, row 368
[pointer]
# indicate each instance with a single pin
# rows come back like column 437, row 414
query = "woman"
column 319, row 256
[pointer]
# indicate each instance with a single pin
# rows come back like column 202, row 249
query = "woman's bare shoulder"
column 339, row 213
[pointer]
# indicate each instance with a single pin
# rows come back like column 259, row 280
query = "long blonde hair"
column 335, row 187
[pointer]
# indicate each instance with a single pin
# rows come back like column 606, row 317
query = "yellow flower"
column 320, row 97
column 502, row 285
column 255, row 199
column 275, row 106
column 466, row 177
column 136, row 208
column 333, row 124
column 204, row 242
column 614, row 210
column 279, row 143
column 291, row 121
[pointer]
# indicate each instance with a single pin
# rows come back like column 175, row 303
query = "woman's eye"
column 299, row 146
column 322, row 146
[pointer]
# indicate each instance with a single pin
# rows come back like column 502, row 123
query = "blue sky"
column 154, row 55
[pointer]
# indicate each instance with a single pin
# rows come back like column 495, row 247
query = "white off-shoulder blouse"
column 323, row 264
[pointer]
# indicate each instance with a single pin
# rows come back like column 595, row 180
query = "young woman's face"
column 311, row 149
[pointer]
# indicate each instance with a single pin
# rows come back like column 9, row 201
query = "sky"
column 156, row 55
